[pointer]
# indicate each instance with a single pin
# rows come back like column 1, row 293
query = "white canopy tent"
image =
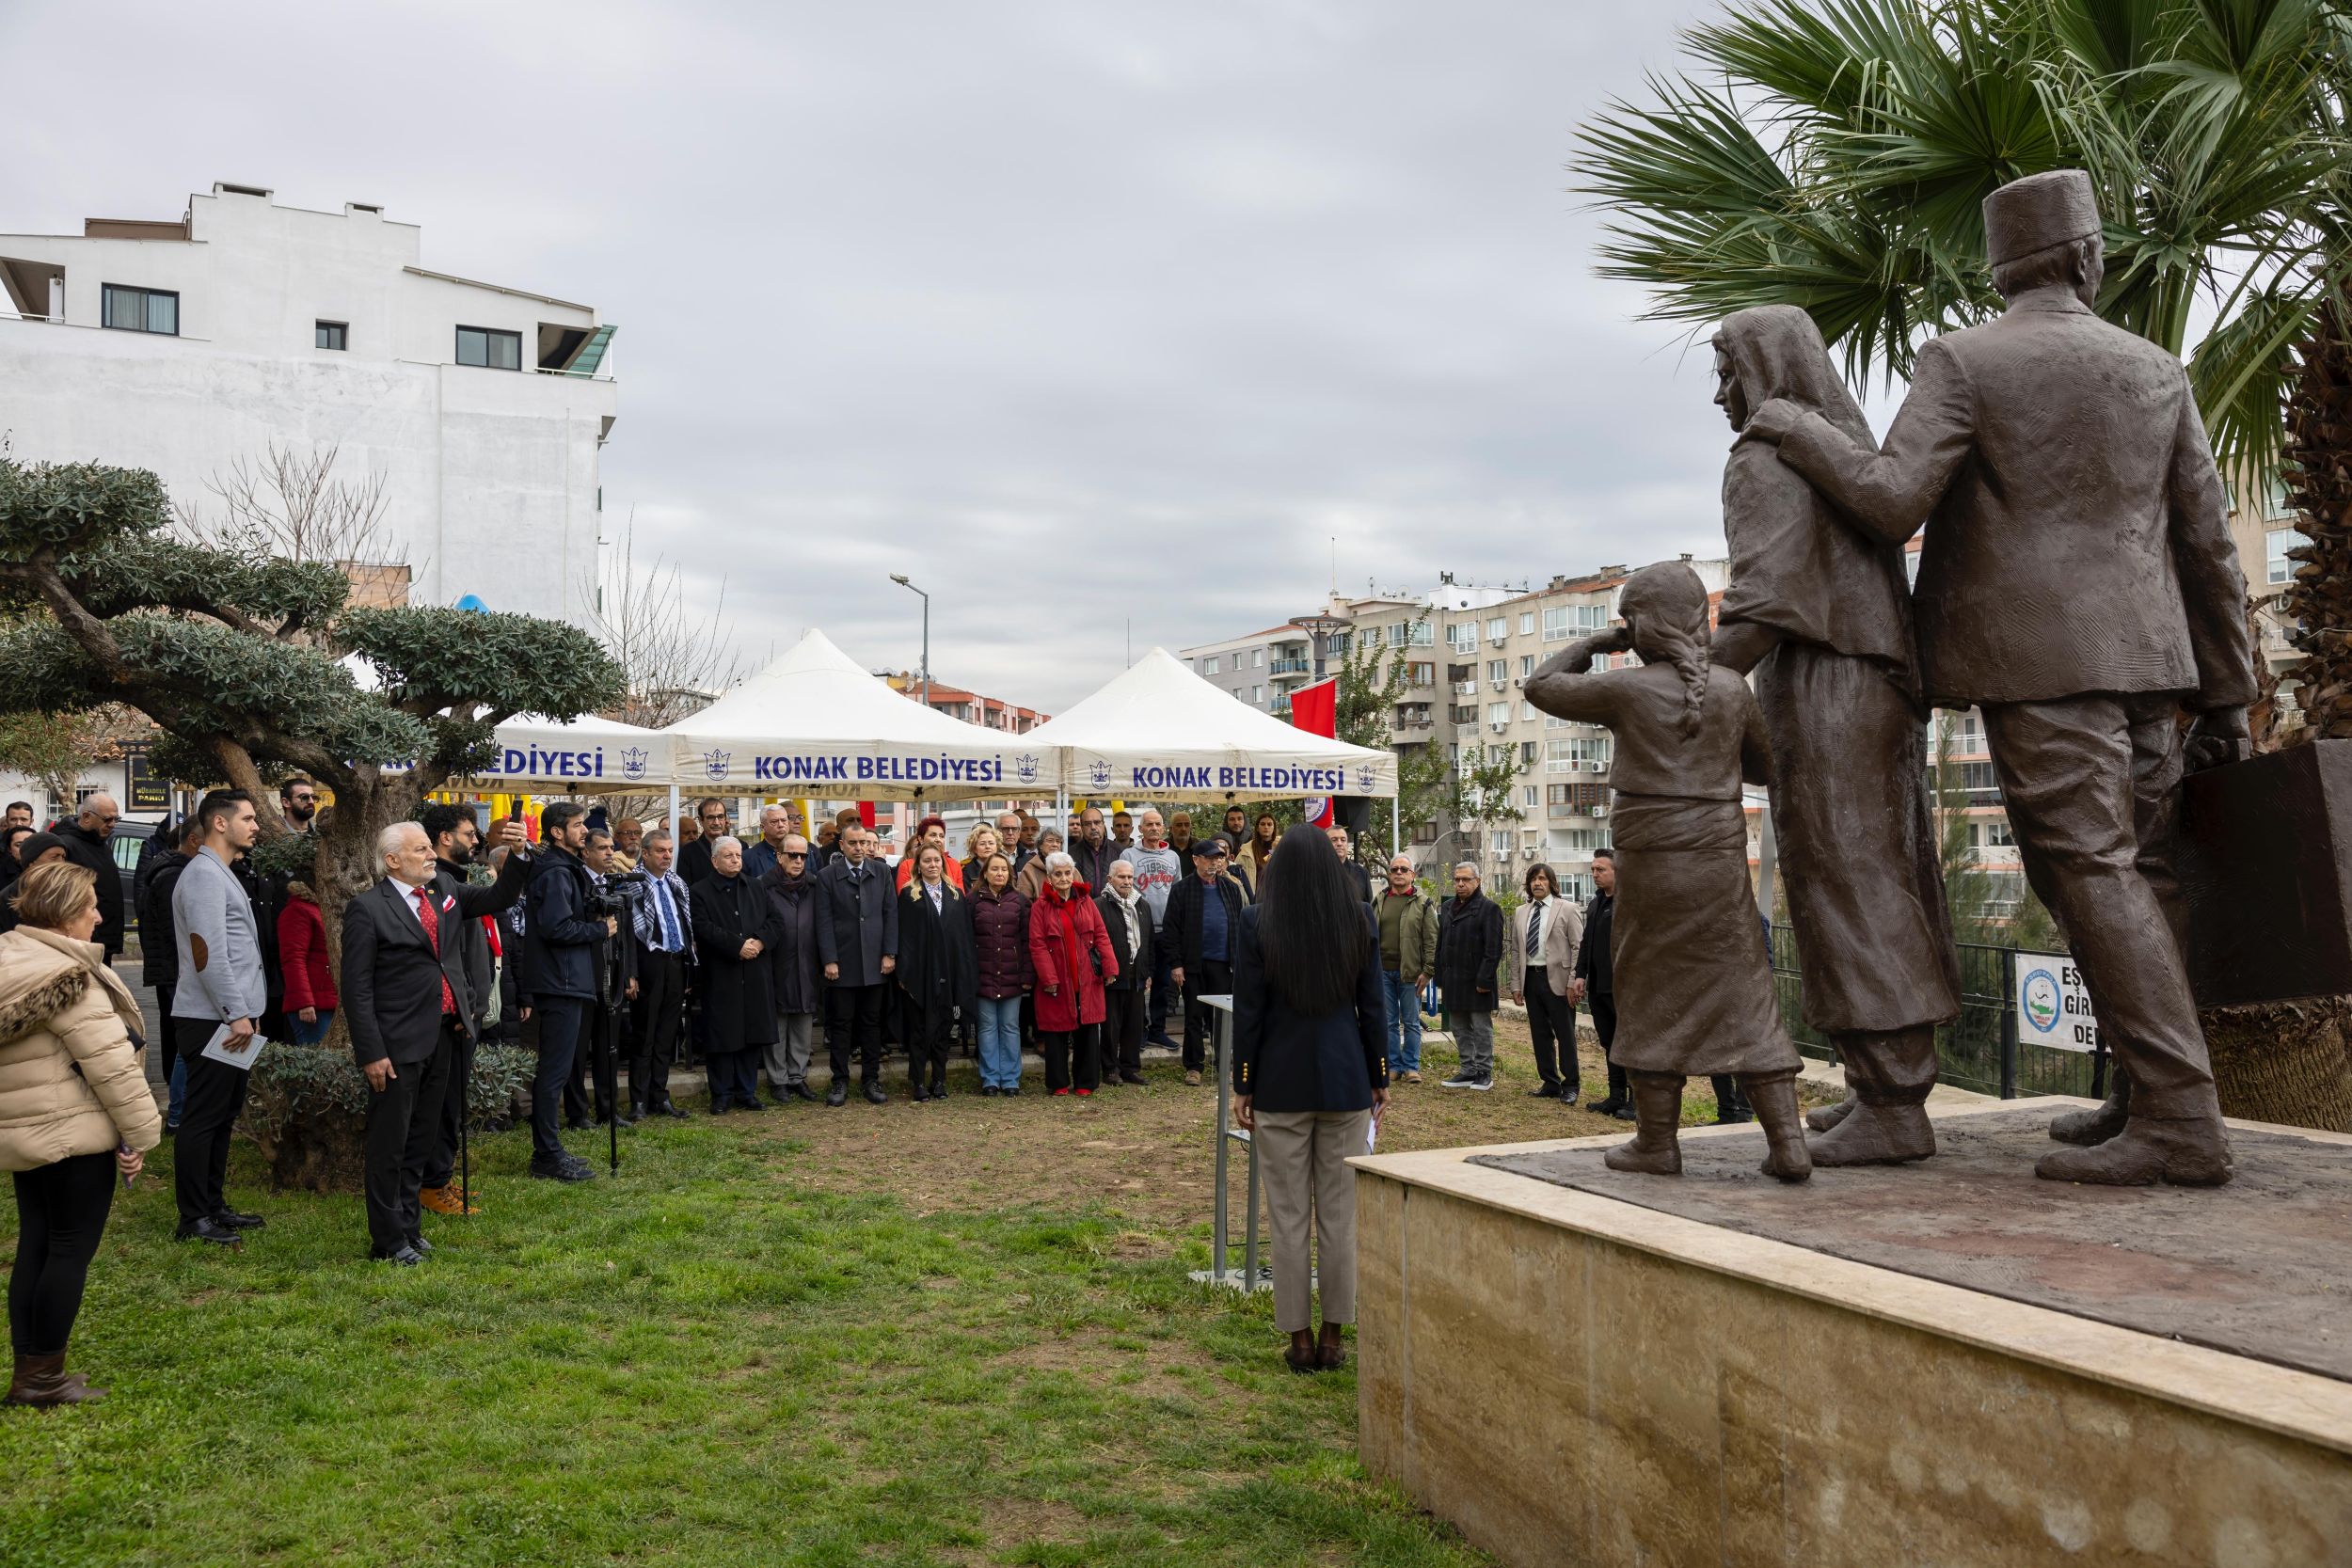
column 814, row 723
column 1158, row 732
column 586, row 756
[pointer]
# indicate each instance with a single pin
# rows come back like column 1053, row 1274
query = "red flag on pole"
column 1316, row 710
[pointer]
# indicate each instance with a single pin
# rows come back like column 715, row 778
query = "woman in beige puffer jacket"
column 75, row 1112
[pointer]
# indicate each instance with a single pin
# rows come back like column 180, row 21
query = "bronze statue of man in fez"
column 2077, row 585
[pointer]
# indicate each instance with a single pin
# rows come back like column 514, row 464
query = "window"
column 1526, row 665
column 1421, row 635
column 1502, row 837
column 1498, row 670
column 1257, row 693
column 1424, row 832
column 1527, row 623
column 1336, row 644
column 1527, row 753
column 496, row 351
column 1210, row 667
column 1526, row 796
column 338, row 334
column 1464, row 713
column 1257, row 659
column 1498, row 627
column 2276, row 567
column 1498, row 714
column 1422, row 674
column 141, row 309
column 1527, row 711
column 1461, row 636
column 1555, row 625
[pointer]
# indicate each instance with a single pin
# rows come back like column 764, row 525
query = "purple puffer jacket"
column 1000, row 936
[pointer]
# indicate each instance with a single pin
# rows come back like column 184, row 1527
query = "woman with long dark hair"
column 1310, row 1074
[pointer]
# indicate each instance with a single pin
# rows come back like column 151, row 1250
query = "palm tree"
column 1833, row 154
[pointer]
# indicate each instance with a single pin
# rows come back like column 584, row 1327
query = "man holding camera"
column 408, row 997
column 562, row 935
column 456, row 847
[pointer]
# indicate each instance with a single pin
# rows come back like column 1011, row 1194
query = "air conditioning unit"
column 1501, row 728
column 1530, row 852
column 1599, row 811
column 1500, row 685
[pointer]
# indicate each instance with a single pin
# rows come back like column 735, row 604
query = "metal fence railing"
column 1255, row 1272
column 1979, row 1050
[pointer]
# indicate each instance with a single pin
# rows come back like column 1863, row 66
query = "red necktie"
column 433, row 937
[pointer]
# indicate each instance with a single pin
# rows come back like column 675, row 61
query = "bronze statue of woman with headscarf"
column 1694, row 983
column 1820, row 612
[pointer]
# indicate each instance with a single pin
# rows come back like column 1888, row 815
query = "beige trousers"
column 1302, row 1159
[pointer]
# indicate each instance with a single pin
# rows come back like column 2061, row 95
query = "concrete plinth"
column 1576, row 1379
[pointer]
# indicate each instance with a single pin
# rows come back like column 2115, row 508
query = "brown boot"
column 1775, row 1097
column 41, row 1381
column 2186, row 1151
column 1876, row 1135
column 2095, row 1126
column 1822, row 1117
column 1657, row 1114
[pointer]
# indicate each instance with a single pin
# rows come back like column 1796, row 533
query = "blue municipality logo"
column 2039, row 1001
column 1364, row 780
column 715, row 764
column 633, row 762
column 1024, row 768
column 1101, row 773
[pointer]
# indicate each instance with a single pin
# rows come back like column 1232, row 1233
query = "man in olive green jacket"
column 1408, row 954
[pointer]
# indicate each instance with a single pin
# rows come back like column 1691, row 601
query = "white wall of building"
column 491, row 475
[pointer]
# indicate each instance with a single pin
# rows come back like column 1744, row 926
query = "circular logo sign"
column 2039, row 997
column 1311, row 809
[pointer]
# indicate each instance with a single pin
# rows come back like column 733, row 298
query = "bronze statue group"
column 2077, row 586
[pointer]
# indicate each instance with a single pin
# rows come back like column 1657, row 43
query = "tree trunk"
column 2284, row 1061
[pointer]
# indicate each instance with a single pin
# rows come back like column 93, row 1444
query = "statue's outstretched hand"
column 1771, row 422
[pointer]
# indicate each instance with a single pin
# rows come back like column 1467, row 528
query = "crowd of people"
column 619, row 954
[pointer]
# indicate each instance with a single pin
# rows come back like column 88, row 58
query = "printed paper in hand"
column 219, row 1051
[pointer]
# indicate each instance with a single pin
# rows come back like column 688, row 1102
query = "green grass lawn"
column 765, row 1343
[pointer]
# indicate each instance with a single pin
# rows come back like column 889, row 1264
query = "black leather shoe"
column 566, row 1169
column 424, row 1247
column 800, row 1091
column 920, row 1094
column 575, row 1124
column 1544, row 1091
column 1131, row 1078
column 235, row 1221
column 210, row 1229
column 718, row 1108
column 631, row 1116
column 838, row 1094
column 407, row 1257
column 670, row 1110
column 875, row 1096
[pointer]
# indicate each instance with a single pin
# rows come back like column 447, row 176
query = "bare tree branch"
column 675, row 660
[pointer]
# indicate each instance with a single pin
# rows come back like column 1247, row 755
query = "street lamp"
column 900, row 577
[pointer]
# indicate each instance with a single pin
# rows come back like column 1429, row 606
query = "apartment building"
column 989, row 713
column 188, row 345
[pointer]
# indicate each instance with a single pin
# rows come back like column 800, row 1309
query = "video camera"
column 619, row 894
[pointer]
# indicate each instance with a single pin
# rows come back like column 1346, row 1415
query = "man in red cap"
column 2077, row 584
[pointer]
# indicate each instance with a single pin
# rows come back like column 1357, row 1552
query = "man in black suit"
column 1594, row 980
column 1196, row 941
column 408, row 1001
column 665, row 955
column 857, row 941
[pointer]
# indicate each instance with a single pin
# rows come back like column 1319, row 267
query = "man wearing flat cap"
column 2077, row 584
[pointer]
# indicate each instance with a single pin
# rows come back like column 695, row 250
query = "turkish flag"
column 1316, row 710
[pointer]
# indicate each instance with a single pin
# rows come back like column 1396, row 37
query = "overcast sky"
column 1101, row 320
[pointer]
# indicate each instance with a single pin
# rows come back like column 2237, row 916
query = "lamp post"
column 900, row 577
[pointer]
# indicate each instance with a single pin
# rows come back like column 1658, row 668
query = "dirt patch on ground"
column 1145, row 1154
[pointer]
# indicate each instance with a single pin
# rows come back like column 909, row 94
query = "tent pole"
column 673, row 815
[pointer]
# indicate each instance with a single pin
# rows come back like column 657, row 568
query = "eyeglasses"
column 796, row 854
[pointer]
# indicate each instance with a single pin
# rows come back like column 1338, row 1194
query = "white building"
column 185, row 345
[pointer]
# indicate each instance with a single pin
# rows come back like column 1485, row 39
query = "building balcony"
column 1291, row 667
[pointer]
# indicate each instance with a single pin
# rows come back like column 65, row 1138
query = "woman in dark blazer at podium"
column 1310, row 1074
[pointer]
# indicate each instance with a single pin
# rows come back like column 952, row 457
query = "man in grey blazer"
column 217, row 940
column 409, row 997
column 2077, row 583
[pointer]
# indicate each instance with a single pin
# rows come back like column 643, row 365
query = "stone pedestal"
column 1582, row 1376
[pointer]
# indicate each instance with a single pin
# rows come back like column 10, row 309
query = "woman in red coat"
column 310, row 999
column 1073, row 955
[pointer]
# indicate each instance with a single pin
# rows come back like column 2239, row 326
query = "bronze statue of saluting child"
column 1694, row 981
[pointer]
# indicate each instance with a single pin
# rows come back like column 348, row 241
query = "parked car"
column 128, row 842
